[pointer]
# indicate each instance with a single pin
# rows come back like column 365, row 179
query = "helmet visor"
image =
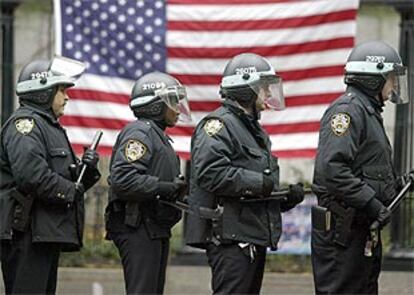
column 270, row 90
column 175, row 97
column 399, row 94
column 63, row 66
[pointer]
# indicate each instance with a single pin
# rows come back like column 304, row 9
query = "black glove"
column 295, row 195
column 171, row 191
column 90, row 158
column 268, row 185
column 376, row 210
column 408, row 177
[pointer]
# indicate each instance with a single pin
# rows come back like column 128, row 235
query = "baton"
column 204, row 212
column 280, row 196
column 93, row 147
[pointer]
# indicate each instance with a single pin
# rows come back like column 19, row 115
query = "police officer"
column 233, row 172
column 41, row 206
column 354, row 176
column 144, row 174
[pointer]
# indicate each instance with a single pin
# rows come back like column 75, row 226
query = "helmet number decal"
column 340, row 123
column 154, row 85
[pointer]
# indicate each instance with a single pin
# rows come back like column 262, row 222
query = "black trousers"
column 233, row 272
column 29, row 268
column 144, row 260
column 340, row 270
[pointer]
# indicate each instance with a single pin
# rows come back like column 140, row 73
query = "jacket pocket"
column 376, row 177
column 60, row 161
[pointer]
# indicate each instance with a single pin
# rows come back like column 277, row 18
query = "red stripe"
column 304, row 153
column 225, row 2
column 317, row 72
column 211, row 105
column 99, row 123
column 228, row 52
column 266, row 24
column 95, row 95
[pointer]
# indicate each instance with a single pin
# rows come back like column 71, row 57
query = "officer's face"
column 59, row 102
column 260, row 101
column 389, row 86
column 171, row 117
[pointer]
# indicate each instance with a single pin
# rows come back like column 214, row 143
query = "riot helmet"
column 39, row 80
column 156, row 91
column 370, row 64
column 248, row 76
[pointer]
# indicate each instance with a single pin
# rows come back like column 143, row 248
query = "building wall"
column 34, row 39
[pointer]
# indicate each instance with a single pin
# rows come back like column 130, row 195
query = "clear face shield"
column 399, row 93
column 175, row 97
column 63, row 66
column 270, row 90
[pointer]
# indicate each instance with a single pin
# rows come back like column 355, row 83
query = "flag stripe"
column 218, row 52
column 262, row 24
column 99, row 123
column 229, row 12
column 245, row 38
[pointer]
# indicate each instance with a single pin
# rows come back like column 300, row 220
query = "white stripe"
column 99, row 109
column 105, row 84
column 258, row 38
column 108, row 110
column 83, row 135
column 58, row 27
column 281, row 63
column 280, row 142
column 290, row 88
column 256, row 11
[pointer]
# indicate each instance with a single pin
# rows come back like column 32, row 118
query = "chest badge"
column 340, row 123
column 213, row 126
column 134, row 150
column 24, row 126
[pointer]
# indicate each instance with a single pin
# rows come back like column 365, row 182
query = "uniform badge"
column 340, row 123
column 24, row 126
column 135, row 150
column 213, row 126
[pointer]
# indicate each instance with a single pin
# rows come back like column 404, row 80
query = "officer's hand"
column 408, row 177
column 182, row 187
column 268, row 185
column 296, row 194
column 171, row 191
column 376, row 210
column 90, row 158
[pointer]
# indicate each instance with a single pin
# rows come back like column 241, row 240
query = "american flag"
column 306, row 41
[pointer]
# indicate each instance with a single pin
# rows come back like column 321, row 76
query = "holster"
column 22, row 210
column 343, row 217
column 132, row 214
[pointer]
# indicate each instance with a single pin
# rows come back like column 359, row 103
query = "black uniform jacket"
column 354, row 160
column 35, row 156
column 142, row 157
column 229, row 152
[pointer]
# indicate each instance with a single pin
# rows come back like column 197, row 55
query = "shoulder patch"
column 213, row 126
column 340, row 123
column 24, row 125
column 135, row 150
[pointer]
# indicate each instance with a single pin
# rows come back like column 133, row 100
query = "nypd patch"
column 340, row 123
column 135, row 150
column 213, row 126
column 24, row 126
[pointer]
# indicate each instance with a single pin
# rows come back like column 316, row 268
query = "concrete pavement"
column 196, row 280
